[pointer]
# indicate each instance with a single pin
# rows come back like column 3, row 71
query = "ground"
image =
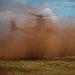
column 64, row 66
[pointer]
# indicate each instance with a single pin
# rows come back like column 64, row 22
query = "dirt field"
column 54, row 66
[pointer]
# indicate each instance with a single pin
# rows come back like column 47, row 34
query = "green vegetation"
column 15, row 73
column 39, row 67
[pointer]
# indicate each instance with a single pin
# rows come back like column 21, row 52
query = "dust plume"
column 44, row 41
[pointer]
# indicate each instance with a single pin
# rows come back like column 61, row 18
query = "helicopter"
column 35, row 39
column 40, row 24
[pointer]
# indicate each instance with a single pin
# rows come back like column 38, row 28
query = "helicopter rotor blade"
column 36, row 19
column 42, row 15
column 48, row 15
column 33, row 14
column 38, row 15
column 31, row 19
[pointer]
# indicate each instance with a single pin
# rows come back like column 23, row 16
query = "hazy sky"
column 60, row 7
column 16, row 9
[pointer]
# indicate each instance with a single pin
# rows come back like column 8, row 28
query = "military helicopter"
column 40, row 23
column 37, row 34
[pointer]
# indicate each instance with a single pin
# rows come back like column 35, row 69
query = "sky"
column 17, row 9
column 60, row 7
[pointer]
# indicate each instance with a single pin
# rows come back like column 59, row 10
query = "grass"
column 16, row 73
column 39, row 67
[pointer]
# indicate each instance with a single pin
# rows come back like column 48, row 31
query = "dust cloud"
column 41, row 41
